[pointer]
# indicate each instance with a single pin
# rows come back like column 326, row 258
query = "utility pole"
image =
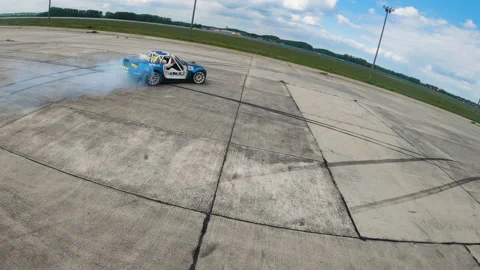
column 388, row 10
column 49, row 5
column 193, row 17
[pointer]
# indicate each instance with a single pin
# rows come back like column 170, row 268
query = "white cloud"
column 308, row 19
column 310, row 5
column 296, row 4
column 360, row 46
column 443, row 79
column 413, row 39
column 452, row 53
column 344, row 20
column 407, row 12
column 469, row 24
column 136, row 2
column 371, row 11
column 327, row 4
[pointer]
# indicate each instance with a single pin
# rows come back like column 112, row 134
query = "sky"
column 436, row 41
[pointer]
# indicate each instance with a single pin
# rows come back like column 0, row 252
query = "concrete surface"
column 155, row 163
column 263, row 187
column 362, row 152
column 475, row 250
column 279, row 133
column 261, row 247
column 266, row 165
column 182, row 111
column 51, row 220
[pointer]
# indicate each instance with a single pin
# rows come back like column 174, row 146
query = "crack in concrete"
column 342, row 198
column 55, row 73
column 138, row 123
column 386, row 145
column 95, row 182
column 206, row 221
column 40, row 84
column 471, row 254
column 227, row 217
column 51, row 62
column 32, row 112
column 329, row 171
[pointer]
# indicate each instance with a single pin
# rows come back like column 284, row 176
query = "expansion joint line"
column 328, row 169
column 206, row 221
column 342, row 198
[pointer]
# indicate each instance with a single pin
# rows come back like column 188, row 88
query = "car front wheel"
column 154, row 78
column 199, row 77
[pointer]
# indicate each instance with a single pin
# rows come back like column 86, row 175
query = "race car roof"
column 161, row 53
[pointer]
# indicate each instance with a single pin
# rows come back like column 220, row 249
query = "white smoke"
column 28, row 82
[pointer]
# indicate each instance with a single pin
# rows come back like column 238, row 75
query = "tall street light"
column 388, row 10
column 193, row 17
column 49, row 4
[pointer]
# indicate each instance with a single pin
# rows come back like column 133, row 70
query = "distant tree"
column 270, row 37
column 298, row 44
column 70, row 12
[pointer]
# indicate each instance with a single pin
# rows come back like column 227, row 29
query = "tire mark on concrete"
column 423, row 153
column 413, row 196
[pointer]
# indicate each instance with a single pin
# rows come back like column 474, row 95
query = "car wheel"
column 154, row 78
column 199, row 77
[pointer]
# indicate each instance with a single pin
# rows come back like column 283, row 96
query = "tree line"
column 70, row 12
column 355, row 60
column 129, row 16
column 365, row 63
column 345, row 57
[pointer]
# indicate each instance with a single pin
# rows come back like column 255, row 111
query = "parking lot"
column 268, row 165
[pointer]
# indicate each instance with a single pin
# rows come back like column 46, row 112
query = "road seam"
column 95, row 182
column 23, row 116
column 471, row 254
column 224, row 216
column 140, row 124
column 318, row 123
column 206, row 221
column 328, row 169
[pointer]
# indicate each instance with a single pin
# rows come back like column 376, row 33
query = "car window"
column 179, row 60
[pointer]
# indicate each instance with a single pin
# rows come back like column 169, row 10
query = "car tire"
column 199, row 77
column 154, row 78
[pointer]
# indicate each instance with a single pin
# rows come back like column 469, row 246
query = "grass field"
column 269, row 50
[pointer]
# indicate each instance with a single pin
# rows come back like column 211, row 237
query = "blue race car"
column 156, row 67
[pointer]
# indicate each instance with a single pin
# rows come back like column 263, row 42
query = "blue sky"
column 435, row 41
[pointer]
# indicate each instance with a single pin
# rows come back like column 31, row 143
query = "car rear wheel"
column 199, row 77
column 154, row 78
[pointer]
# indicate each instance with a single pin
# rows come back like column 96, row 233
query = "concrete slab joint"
column 268, row 165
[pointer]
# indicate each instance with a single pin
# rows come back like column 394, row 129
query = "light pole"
column 388, row 10
column 193, row 17
column 49, row 4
